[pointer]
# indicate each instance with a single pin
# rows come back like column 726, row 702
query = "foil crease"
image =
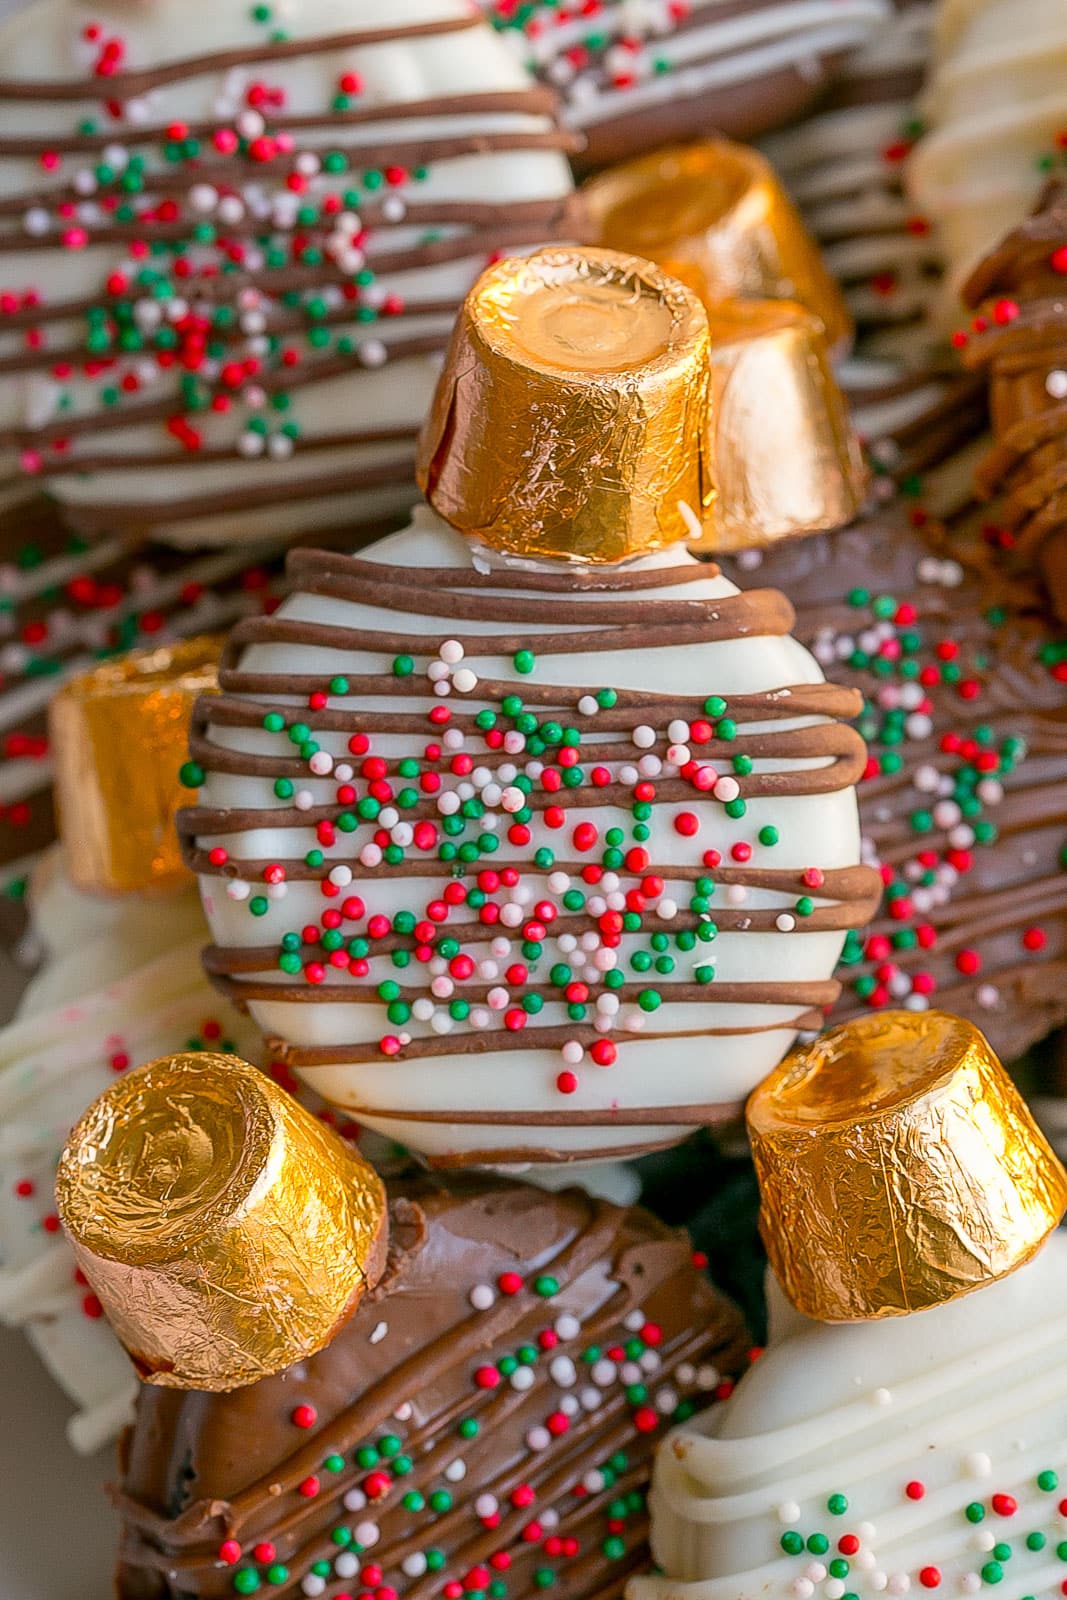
column 570, row 419
column 781, row 448
column 226, row 1232
column 898, row 1167
column 119, row 735
column 715, row 215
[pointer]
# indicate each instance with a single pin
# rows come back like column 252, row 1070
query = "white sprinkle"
column 451, row 651
column 321, row 763
column 815, row 1571
column 237, row 890
column 643, row 736
column 788, row 1513
column 785, row 923
column 686, row 1373
column 803, row 1588
column 573, row 1052
column 465, row 680
column 567, row 1326
column 590, row 1398
column 899, row 1583
column 380, row 1331
column 371, row 855
column 708, row 1377
column 456, row 1471
column 563, row 1371
column 250, row 124
column 977, row 1465
column 522, row 1378
column 987, row 995
column 882, row 1397
column 634, row 1321
column 726, row 789
column 367, row 1533
column 603, row 1372
column 1056, row 384
column 355, row 1500
column 538, row 1438
column 486, row 1505
column 481, row 1297
column 403, row 1412
column 341, row 875
column 588, row 705
column 346, row 1565
column 313, row 1585
column 970, row 1583
column 413, row 1565
column 372, row 353
column 593, row 1481
column 833, row 1589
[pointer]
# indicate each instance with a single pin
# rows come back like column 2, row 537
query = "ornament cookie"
column 919, row 1444
column 489, row 1407
column 631, row 77
column 234, row 237
column 534, row 859
column 961, row 805
column 1016, row 339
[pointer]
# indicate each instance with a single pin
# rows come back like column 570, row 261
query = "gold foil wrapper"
column 898, row 1167
column 119, row 737
column 569, row 420
column 226, row 1232
column 782, row 451
column 715, row 215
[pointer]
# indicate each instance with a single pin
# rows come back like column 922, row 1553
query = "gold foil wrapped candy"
column 569, row 421
column 781, row 451
column 715, row 215
column 898, row 1168
column 226, row 1232
column 119, row 735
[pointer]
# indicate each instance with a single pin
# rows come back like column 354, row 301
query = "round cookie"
column 995, row 105
column 904, row 1429
column 450, row 957
column 844, row 168
column 234, row 236
column 486, row 1417
column 961, row 806
column 120, row 983
column 632, row 77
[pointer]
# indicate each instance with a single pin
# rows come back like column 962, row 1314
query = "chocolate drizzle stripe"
column 757, row 611
column 414, row 152
column 535, row 101
column 690, row 1115
column 800, row 700
column 123, row 86
column 805, row 699
column 98, row 516
column 306, row 563
column 838, row 883
column 174, row 460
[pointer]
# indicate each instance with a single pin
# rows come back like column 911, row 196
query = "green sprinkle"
column 837, row 1505
column 792, row 1543
column 768, row 835
column 403, row 666
column 191, row 775
column 1047, row 1481
column 524, row 661
column 975, row 1512
column 546, row 1286
column 818, row 1544
column 246, row 1581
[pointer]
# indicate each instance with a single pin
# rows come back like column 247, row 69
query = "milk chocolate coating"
column 964, row 804
column 1020, row 343
column 394, row 1398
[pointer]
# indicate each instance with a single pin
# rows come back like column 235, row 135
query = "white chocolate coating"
column 844, row 169
column 121, row 980
column 256, row 469
column 996, row 100
column 911, row 1421
column 502, row 1100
